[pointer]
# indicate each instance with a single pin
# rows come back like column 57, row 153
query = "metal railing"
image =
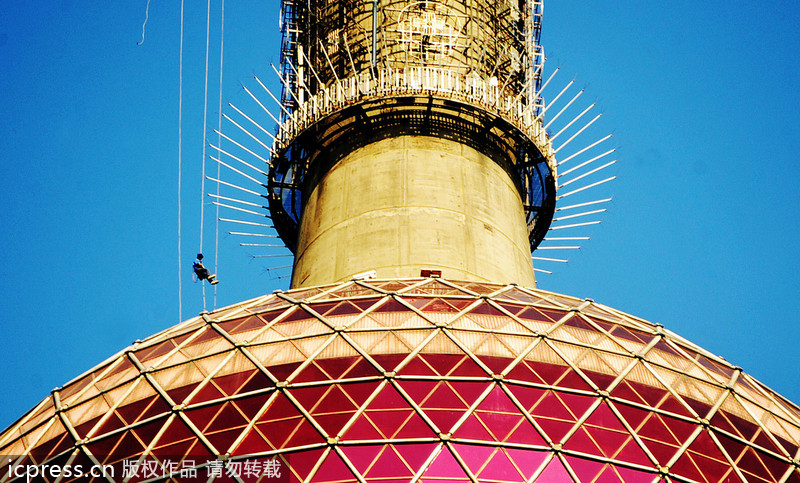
column 429, row 81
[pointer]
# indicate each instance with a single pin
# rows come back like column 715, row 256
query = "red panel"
column 705, row 454
column 233, row 383
column 310, row 373
column 242, row 325
column 475, row 457
column 143, row 409
column 588, row 470
column 334, row 469
column 389, row 361
column 472, row 428
column 469, row 368
column 444, row 466
column 415, row 455
column 389, row 465
column 363, row 456
column 251, row 405
column 253, row 443
column 228, row 417
column 525, row 433
column 554, row 473
column 391, row 305
column 527, row 461
column 301, row 463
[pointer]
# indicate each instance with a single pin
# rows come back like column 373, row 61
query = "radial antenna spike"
column 586, row 163
column 243, row 210
column 236, row 200
column 555, row 99
column 272, row 256
column 235, row 186
column 583, row 150
column 223, row 163
column 577, row 133
column 545, row 259
column 588, row 203
column 239, row 233
column 251, row 121
column 588, row 173
column 553, row 138
column 585, row 213
column 272, row 96
column 244, row 149
column 585, row 187
column 565, row 238
column 238, row 159
column 541, row 89
column 242, row 222
column 575, row 225
column 330, row 64
column 249, row 134
column 313, row 71
column 285, row 84
column 261, row 105
column 564, row 109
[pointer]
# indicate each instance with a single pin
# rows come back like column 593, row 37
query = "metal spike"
column 285, row 83
column 251, row 135
column 272, row 96
column 555, row 99
column 586, row 126
column 251, row 121
column 238, row 171
column 588, row 173
column 259, row 245
column 573, row 121
column 559, row 248
column 544, row 259
column 588, row 203
column 242, row 222
column 565, row 238
column 585, row 188
column 235, row 186
column 574, row 225
column 240, row 209
column 236, row 200
column 244, row 148
column 262, row 105
column 272, row 256
column 583, row 150
column 564, row 109
column 222, row 151
column 577, row 215
column 542, row 271
column 586, row 162
column 252, row 234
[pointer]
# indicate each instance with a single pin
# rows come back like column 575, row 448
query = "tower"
column 463, row 377
column 412, row 140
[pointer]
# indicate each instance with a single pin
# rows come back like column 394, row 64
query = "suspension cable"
column 180, row 146
column 205, row 130
column 219, row 143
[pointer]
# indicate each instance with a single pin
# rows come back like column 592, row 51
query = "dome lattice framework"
column 423, row 380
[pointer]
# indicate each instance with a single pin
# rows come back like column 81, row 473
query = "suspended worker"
column 202, row 272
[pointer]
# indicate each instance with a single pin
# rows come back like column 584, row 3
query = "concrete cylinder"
column 408, row 203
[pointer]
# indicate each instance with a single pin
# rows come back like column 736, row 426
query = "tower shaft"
column 407, row 203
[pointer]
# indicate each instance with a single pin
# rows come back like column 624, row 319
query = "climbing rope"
column 180, row 147
column 205, row 121
column 219, row 143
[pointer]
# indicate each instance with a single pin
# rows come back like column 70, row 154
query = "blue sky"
column 701, row 235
